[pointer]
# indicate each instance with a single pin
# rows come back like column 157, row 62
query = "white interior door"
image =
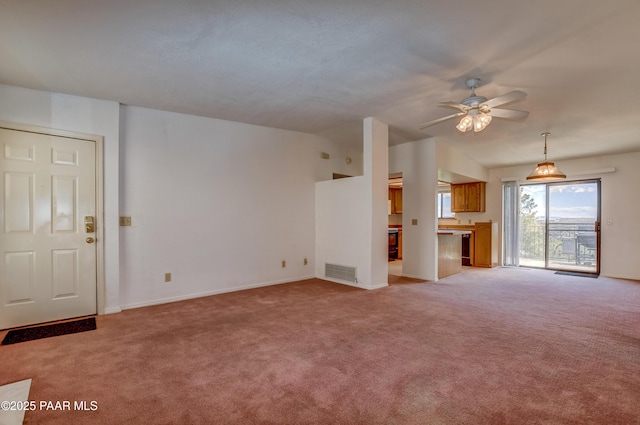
column 48, row 251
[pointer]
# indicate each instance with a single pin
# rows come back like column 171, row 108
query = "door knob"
column 90, row 240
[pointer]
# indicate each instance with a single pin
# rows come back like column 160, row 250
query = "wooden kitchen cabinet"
column 395, row 196
column 472, row 237
column 484, row 255
column 468, row 197
column 458, row 197
column 482, row 252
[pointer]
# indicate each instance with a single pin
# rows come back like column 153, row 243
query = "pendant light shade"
column 546, row 170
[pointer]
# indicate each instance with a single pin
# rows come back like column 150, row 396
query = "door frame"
column 99, row 169
column 597, row 224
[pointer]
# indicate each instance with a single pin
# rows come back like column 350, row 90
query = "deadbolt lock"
column 89, row 226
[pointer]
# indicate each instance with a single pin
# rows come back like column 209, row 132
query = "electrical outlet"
column 414, row 221
column 305, row 261
column 167, row 277
column 284, row 263
column 125, row 221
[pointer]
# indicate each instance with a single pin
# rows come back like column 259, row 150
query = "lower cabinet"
column 482, row 252
column 485, row 255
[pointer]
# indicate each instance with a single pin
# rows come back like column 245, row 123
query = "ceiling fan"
column 478, row 111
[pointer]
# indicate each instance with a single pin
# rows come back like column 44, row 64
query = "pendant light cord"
column 545, row 134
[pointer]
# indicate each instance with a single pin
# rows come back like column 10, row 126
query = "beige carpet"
column 488, row 346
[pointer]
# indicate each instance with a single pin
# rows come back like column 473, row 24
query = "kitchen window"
column 444, row 205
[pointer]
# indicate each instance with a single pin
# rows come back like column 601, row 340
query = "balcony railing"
column 572, row 245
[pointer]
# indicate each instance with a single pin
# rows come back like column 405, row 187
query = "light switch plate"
column 125, row 221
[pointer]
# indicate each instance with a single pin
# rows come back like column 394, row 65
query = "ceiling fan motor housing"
column 473, row 83
column 474, row 101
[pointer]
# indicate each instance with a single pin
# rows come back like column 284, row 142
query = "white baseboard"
column 354, row 284
column 112, row 310
column 417, row 277
column 209, row 293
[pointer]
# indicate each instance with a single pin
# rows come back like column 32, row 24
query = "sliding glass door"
column 559, row 226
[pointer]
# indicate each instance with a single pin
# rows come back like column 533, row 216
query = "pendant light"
column 546, row 170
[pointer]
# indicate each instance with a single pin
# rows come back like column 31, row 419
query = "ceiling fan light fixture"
column 481, row 121
column 475, row 120
column 546, row 170
column 465, row 123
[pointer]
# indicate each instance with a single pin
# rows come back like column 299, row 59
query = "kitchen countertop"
column 453, row 232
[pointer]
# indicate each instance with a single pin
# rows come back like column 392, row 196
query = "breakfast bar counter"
column 450, row 251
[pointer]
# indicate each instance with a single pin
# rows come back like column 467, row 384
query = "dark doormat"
column 595, row 276
column 46, row 331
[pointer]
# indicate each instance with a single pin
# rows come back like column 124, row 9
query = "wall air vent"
column 335, row 271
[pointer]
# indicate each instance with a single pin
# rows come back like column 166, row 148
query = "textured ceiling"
column 321, row 66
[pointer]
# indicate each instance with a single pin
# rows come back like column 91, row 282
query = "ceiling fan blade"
column 439, row 120
column 454, row 105
column 505, row 98
column 509, row 114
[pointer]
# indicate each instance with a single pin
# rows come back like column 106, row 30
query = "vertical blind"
column 510, row 214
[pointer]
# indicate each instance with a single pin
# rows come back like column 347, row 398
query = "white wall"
column 619, row 203
column 454, row 165
column 417, row 163
column 351, row 215
column 218, row 204
column 376, row 171
column 342, row 225
column 80, row 115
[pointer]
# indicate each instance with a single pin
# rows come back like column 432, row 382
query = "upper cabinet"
column 468, row 197
column 395, row 196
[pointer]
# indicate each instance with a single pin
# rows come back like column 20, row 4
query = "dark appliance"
column 393, row 244
column 466, row 250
